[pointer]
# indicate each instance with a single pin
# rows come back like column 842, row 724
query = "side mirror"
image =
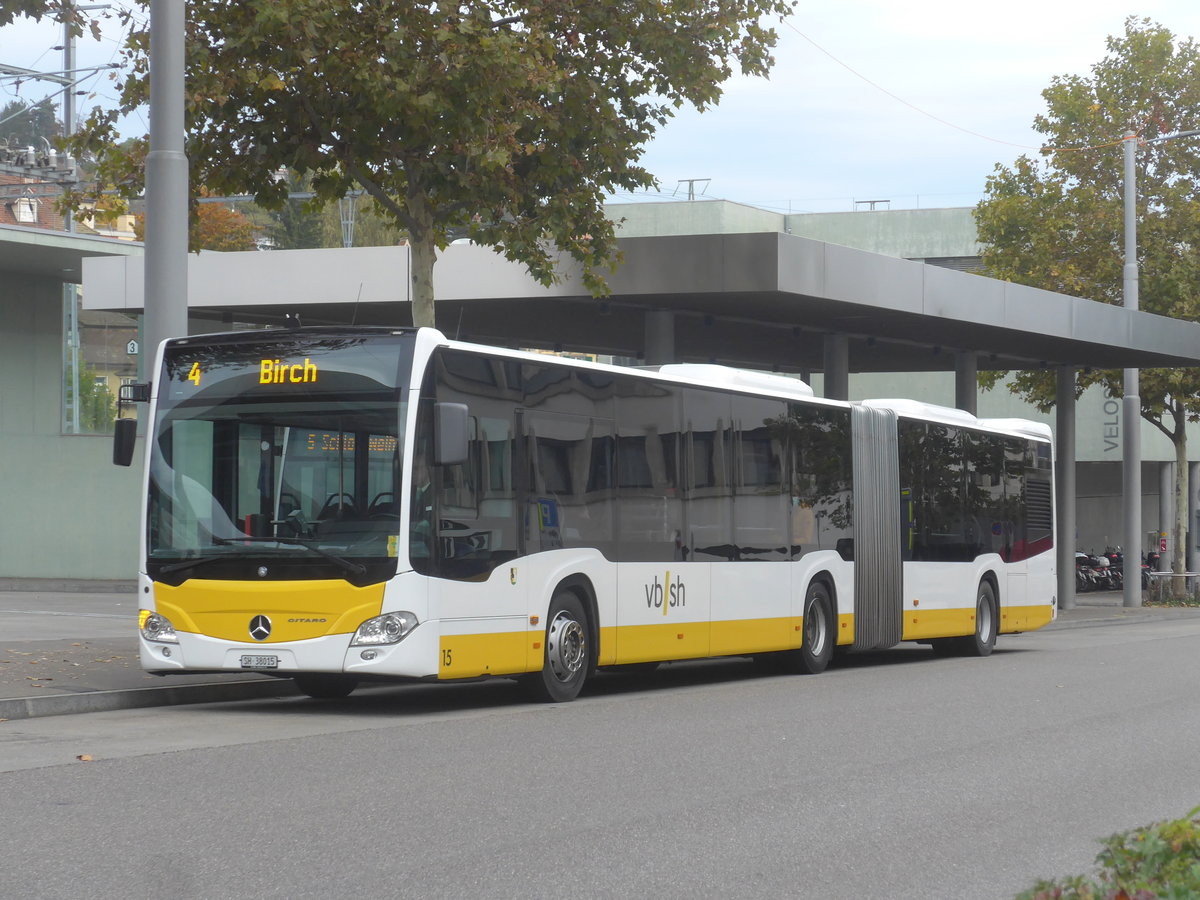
column 124, row 440
column 125, row 430
column 451, row 435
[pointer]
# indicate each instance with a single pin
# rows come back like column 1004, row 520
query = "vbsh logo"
column 665, row 594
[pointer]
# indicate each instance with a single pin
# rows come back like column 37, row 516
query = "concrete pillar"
column 966, row 382
column 1064, row 478
column 1166, row 511
column 837, row 367
column 660, row 337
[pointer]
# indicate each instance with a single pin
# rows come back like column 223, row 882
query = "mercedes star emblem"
column 260, row 628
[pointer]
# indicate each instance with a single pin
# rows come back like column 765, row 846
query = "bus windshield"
column 295, row 476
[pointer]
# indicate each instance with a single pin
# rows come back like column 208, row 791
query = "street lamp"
column 1131, row 403
column 166, row 254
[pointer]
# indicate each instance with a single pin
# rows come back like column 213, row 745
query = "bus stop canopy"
column 764, row 300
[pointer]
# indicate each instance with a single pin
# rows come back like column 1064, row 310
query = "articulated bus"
column 346, row 505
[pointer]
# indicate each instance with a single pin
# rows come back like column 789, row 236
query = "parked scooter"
column 1150, row 561
column 1116, row 566
column 1105, row 579
column 1085, row 573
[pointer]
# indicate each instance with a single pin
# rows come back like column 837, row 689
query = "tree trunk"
column 422, row 255
column 1180, row 537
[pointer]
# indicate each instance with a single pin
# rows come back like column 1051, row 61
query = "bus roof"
column 751, row 381
column 728, row 376
column 951, row 416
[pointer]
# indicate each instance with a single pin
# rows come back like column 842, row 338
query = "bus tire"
column 567, row 657
column 987, row 620
column 326, row 687
column 819, row 631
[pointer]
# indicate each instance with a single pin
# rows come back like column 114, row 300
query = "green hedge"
column 1158, row 862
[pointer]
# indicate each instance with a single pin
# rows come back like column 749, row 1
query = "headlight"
column 390, row 628
column 156, row 628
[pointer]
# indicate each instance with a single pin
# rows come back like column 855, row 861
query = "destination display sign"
column 259, row 365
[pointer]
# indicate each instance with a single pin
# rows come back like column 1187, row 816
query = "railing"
column 1162, row 587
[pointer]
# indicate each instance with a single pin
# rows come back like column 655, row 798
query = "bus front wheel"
column 567, row 654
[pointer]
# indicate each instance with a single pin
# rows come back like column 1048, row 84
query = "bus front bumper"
column 415, row 656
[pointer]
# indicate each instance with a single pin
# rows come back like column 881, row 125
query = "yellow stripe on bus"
column 845, row 633
column 920, row 624
column 1025, row 618
column 756, row 635
column 511, row 653
column 515, row 652
column 497, row 653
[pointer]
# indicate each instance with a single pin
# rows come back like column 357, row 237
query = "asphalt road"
column 893, row 776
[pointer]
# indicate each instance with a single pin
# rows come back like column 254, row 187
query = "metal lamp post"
column 166, row 183
column 1131, row 403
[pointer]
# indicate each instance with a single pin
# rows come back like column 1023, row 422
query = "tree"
column 218, row 227
column 24, row 125
column 59, row 10
column 1057, row 223
column 510, row 120
column 294, row 224
column 97, row 405
column 371, row 228
column 214, row 227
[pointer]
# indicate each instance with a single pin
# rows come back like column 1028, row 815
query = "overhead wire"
column 939, row 119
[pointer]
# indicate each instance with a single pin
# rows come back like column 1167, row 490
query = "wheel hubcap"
column 985, row 619
column 815, row 628
column 566, row 647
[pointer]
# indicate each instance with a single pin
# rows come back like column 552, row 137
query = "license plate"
column 260, row 662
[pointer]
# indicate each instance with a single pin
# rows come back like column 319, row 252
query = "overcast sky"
column 851, row 111
column 817, row 136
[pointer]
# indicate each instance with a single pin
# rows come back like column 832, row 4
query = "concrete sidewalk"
column 70, row 647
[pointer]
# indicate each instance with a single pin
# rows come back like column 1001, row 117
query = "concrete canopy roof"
column 763, row 300
column 55, row 255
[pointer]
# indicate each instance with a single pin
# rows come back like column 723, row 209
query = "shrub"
column 1157, row 862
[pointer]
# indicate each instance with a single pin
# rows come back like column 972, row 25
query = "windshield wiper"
column 352, row 567
column 190, row 563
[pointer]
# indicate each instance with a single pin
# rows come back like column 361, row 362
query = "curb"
column 139, row 698
column 1122, row 617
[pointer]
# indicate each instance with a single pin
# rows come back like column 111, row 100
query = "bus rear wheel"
column 568, row 652
column 326, row 687
column 983, row 641
column 986, row 623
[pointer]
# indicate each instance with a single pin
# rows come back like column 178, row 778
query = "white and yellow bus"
column 345, row 505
